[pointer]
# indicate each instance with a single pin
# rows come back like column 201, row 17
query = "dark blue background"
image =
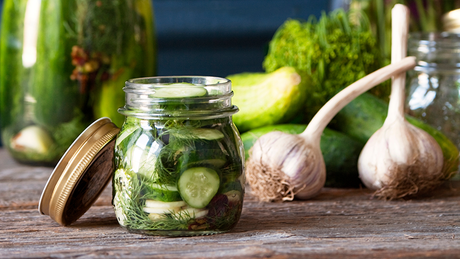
column 221, row 37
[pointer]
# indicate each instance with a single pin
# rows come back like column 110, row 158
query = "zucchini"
column 366, row 114
column 340, row 152
column 267, row 98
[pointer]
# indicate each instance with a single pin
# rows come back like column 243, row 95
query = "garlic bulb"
column 282, row 166
column 400, row 159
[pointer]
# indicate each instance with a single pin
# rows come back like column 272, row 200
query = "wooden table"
column 339, row 223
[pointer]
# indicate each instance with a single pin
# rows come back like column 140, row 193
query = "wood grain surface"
column 339, row 223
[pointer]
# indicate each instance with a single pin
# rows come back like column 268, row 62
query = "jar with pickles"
column 63, row 64
column 178, row 157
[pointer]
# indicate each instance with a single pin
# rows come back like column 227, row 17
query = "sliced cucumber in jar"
column 161, row 204
column 126, row 133
column 198, row 185
column 190, row 213
column 197, row 133
column 162, row 193
column 213, row 158
column 180, row 90
column 160, row 207
column 142, row 157
column 160, row 210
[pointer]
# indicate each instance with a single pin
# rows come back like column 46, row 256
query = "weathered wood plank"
column 22, row 185
column 339, row 223
column 353, row 228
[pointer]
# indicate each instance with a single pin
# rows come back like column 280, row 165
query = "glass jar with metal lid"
column 178, row 159
column 62, row 65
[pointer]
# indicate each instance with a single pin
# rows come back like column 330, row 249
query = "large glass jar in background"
column 178, row 157
column 61, row 66
column 434, row 84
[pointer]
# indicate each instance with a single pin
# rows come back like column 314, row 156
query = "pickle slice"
column 198, row 185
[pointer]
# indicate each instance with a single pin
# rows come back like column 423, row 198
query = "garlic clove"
column 32, row 138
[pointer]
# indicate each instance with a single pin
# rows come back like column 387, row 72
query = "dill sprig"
column 104, row 25
column 131, row 200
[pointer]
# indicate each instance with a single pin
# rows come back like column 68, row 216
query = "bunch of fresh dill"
column 329, row 53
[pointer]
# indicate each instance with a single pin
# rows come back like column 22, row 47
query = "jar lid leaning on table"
column 176, row 164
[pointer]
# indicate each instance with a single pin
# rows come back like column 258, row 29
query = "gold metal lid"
column 81, row 175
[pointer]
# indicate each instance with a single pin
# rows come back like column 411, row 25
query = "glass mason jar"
column 434, row 84
column 178, row 157
column 61, row 66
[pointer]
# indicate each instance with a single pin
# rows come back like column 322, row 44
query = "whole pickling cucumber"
column 56, row 95
column 12, row 82
column 340, row 152
column 366, row 114
column 267, row 98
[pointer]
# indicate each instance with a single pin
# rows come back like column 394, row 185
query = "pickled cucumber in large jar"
column 63, row 64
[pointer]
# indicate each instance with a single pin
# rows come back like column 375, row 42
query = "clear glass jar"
column 178, row 157
column 434, row 84
column 63, row 64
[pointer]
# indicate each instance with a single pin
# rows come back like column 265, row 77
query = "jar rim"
column 143, row 101
column 160, row 81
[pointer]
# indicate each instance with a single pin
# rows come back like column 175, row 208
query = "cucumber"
column 162, row 193
column 159, row 204
column 143, row 154
column 124, row 134
column 267, row 98
column 340, row 152
column 197, row 133
column 213, row 158
column 366, row 114
column 12, row 76
column 198, row 185
column 190, row 213
column 57, row 96
column 159, row 207
column 160, row 210
column 232, row 186
column 180, row 90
